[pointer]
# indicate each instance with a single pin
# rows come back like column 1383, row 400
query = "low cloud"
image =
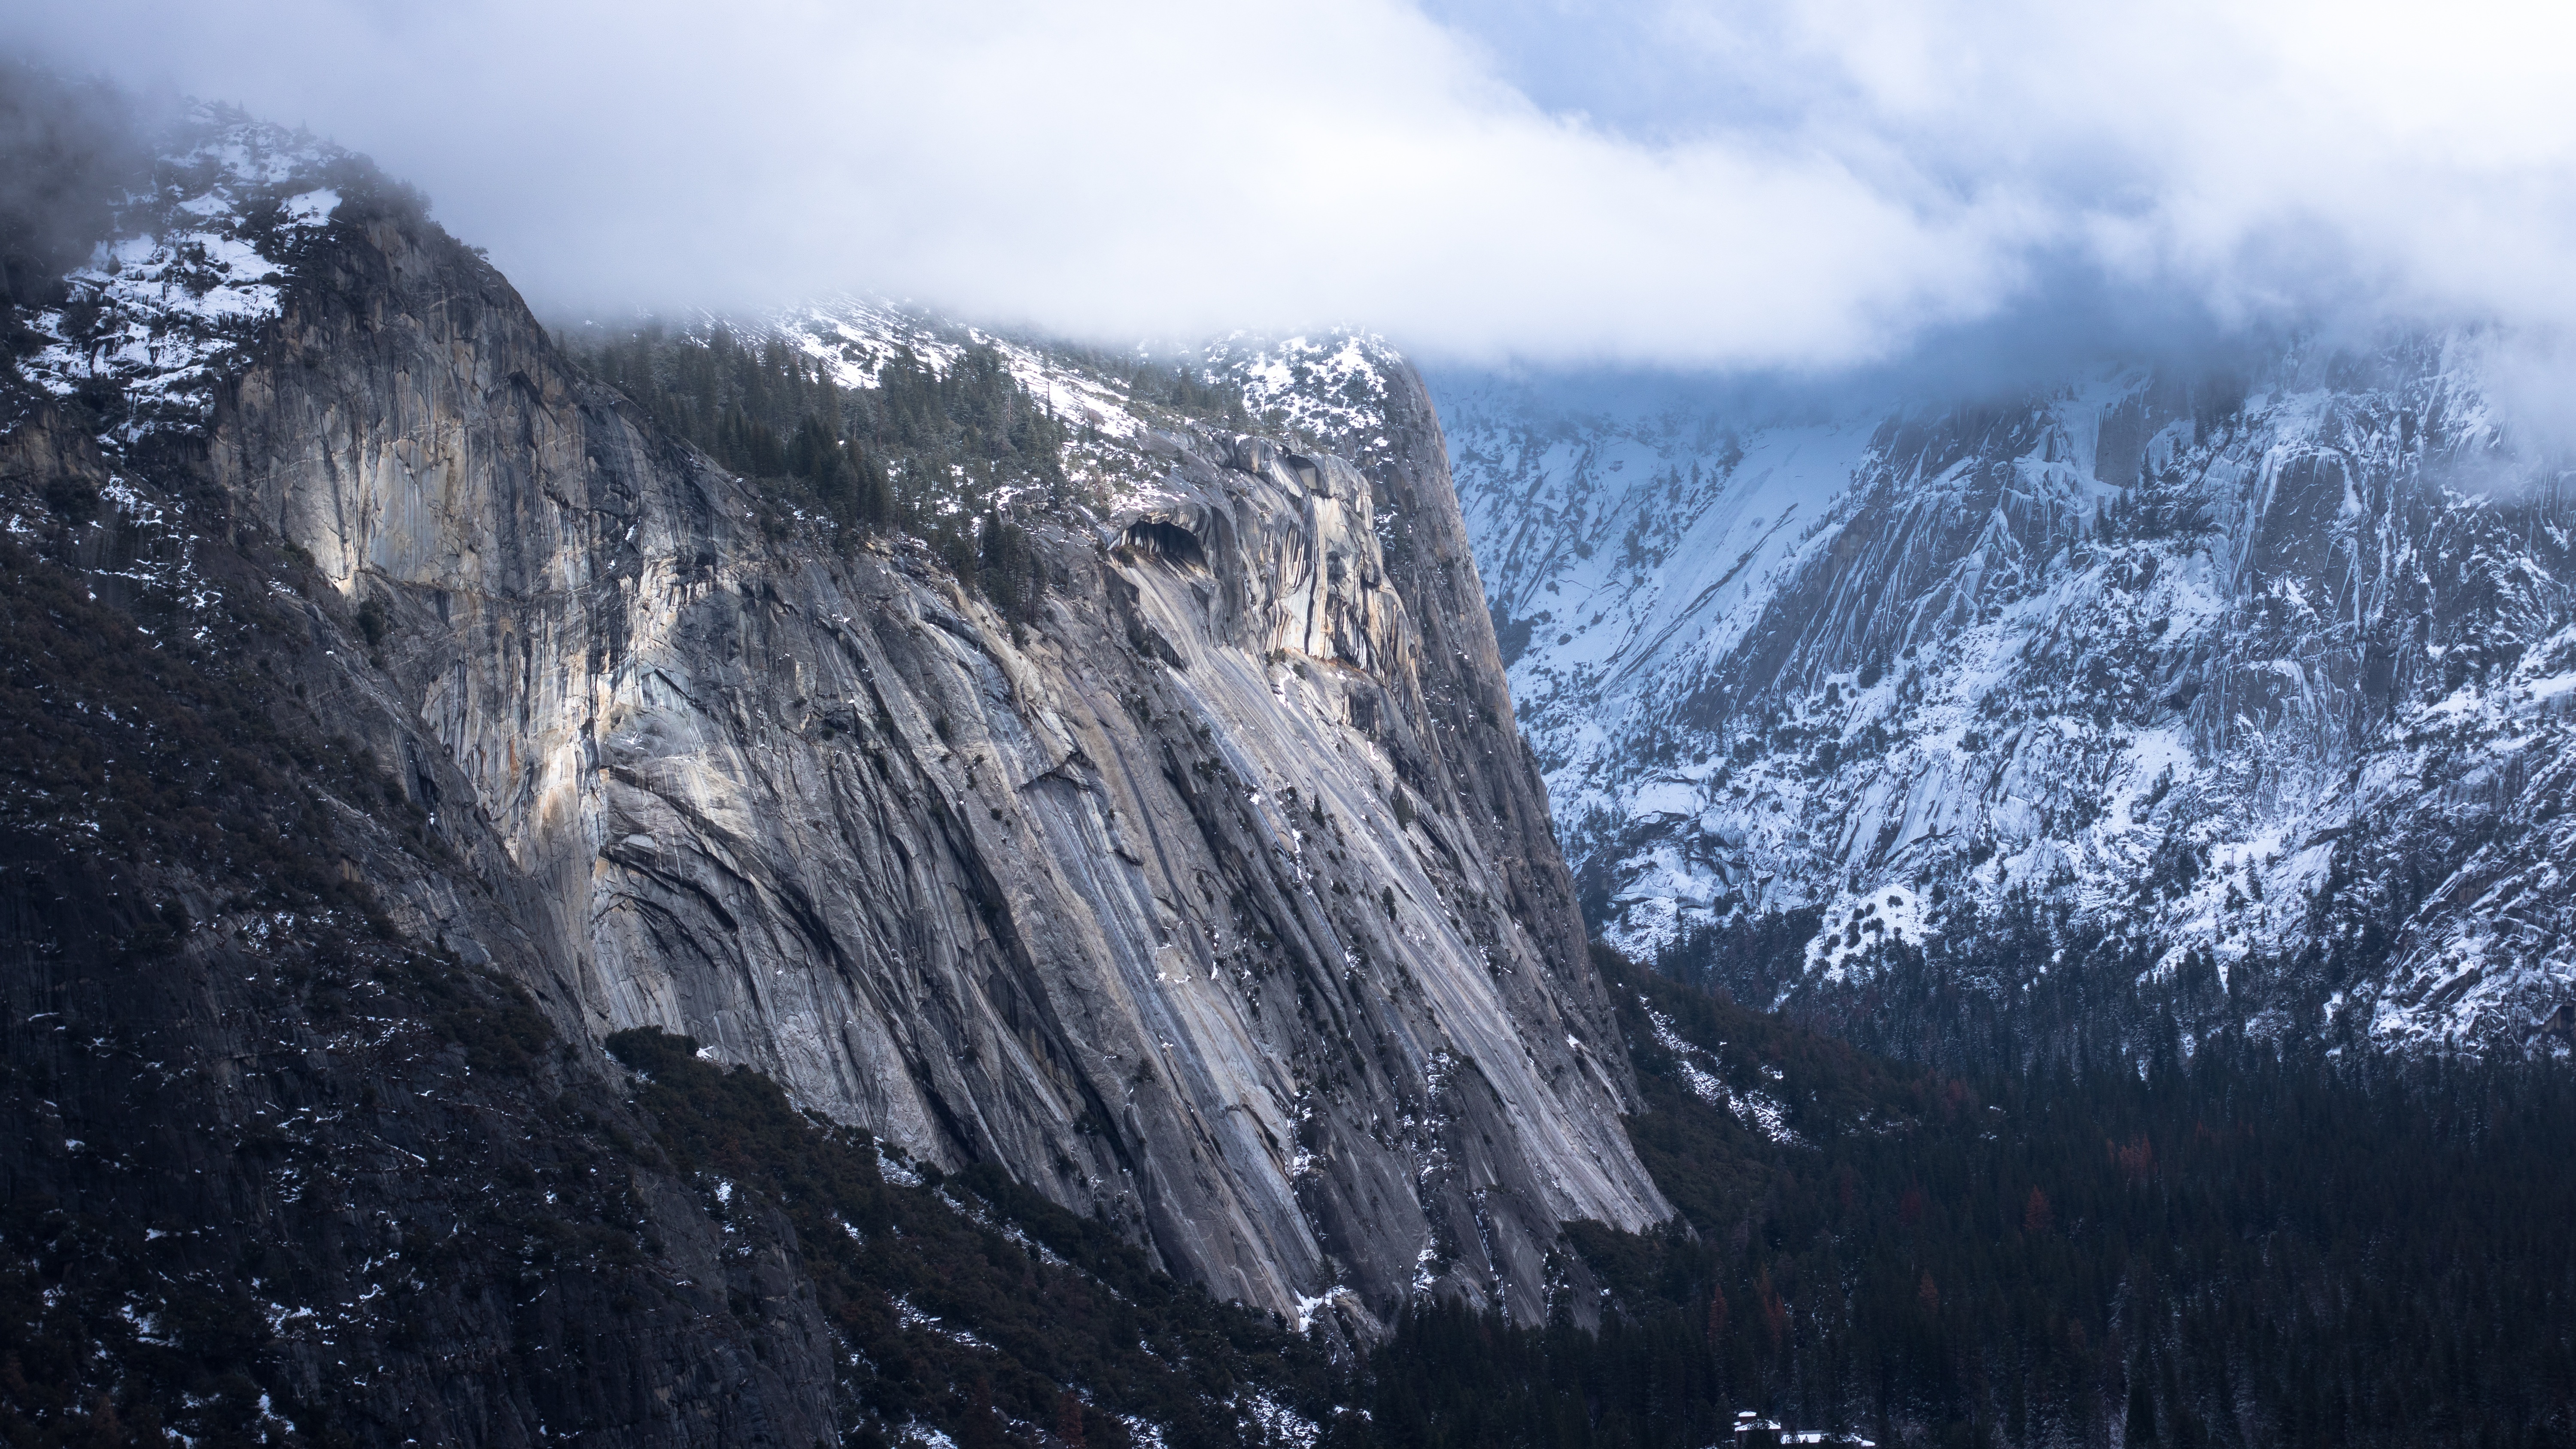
column 1744, row 187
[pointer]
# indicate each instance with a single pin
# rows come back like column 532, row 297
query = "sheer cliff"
column 2154, row 702
column 1210, row 895
column 1179, row 897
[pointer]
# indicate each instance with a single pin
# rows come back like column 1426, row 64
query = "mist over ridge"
column 1740, row 189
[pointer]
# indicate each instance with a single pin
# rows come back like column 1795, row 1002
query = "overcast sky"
column 1742, row 186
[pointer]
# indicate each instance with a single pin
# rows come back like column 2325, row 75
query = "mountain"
column 849, row 879
column 1084, row 812
column 2154, row 703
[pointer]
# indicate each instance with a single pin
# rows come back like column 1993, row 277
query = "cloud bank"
column 1751, row 186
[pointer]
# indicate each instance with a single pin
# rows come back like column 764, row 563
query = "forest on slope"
column 2234, row 1248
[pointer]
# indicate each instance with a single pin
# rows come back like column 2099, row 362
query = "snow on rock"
column 1330, row 388
column 2207, row 672
column 855, row 337
column 166, row 305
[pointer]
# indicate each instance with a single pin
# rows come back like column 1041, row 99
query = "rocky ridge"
column 2241, row 693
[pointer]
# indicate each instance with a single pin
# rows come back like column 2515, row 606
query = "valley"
column 852, row 877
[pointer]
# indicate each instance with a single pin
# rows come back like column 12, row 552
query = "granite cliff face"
column 2154, row 701
column 1216, row 897
column 1108, row 900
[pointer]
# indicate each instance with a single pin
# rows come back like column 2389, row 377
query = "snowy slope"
column 856, row 336
column 1325, row 392
column 200, row 249
column 2262, row 677
column 1331, row 387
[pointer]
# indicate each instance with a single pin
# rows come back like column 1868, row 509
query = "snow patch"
column 195, row 268
column 1858, row 923
column 1755, row 1109
column 1279, row 1423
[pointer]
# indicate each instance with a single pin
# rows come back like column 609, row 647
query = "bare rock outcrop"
column 1217, row 898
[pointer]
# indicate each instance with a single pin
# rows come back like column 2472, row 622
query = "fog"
column 66, row 147
column 1758, row 188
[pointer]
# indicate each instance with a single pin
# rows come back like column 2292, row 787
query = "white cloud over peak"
column 1735, row 185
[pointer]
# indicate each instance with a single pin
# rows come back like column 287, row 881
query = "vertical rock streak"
column 1218, row 898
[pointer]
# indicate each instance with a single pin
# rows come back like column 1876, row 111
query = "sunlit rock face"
column 2239, row 700
column 1218, row 897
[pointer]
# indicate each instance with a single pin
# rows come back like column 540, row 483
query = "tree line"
column 954, row 456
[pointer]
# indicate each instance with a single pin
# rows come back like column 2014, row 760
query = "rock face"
column 273, row 1170
column 1218, row 898
column 2235, row 700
